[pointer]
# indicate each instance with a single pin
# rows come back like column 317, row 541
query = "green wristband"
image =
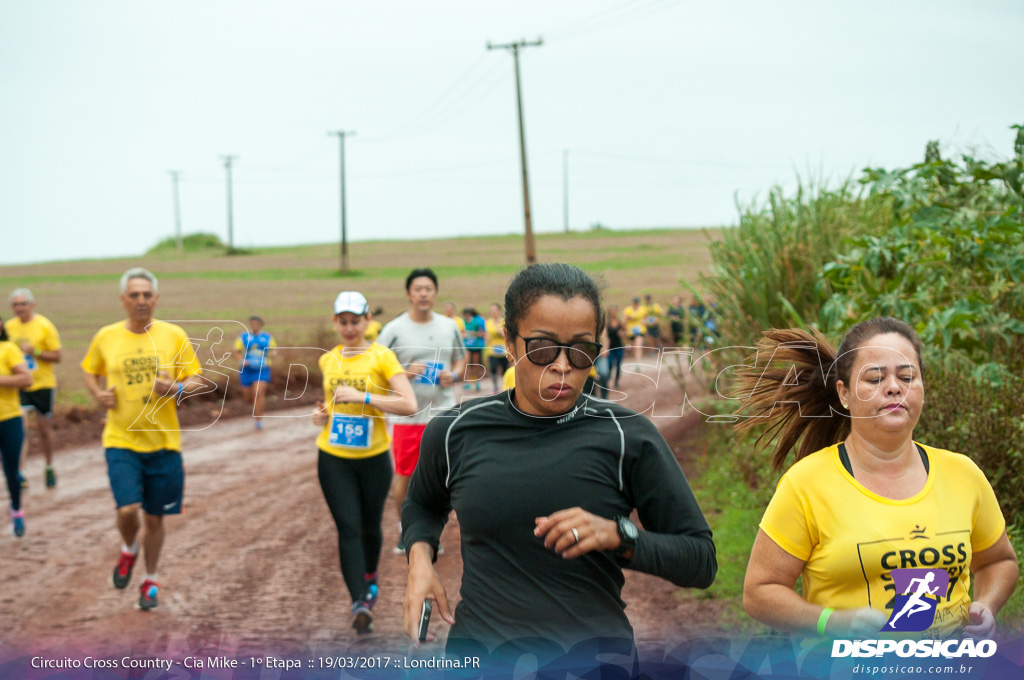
column 823, row 620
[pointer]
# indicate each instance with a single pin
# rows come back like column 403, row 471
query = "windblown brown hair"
column 794, row 392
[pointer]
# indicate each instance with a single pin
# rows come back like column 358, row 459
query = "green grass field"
column 292, row 288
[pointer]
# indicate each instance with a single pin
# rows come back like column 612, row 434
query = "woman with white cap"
column 362, row 381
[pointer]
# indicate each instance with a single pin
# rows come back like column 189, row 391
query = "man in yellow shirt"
column 138, row 370
column 38, row 340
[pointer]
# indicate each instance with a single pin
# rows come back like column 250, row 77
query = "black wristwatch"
column 628, row 533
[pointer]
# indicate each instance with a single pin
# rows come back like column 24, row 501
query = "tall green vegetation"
column 766, row 273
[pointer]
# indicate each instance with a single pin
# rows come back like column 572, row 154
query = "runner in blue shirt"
column 251, row 349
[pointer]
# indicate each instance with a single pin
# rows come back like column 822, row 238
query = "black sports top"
column 500, row 469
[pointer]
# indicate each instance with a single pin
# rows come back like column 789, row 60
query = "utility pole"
column 344, row 233
column 514, row 47
column 175, row 174
column 228, row 160
column 565, row 189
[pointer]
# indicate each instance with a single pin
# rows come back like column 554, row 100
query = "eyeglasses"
column 19, row 304
column 545, row 351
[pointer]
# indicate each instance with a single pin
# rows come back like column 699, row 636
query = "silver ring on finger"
column 575, row 534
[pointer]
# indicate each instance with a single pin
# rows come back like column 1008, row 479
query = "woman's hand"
column 592, row 532
column 346, row 394
column 864, row 622
column 320, row 415
column 423, row 584
column 983, row 621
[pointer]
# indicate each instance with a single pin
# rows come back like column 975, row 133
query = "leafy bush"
column 953, row 265
column 940, row 245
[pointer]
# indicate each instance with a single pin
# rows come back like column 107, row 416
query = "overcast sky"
column 669, row 109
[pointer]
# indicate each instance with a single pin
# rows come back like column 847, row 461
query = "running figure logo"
column 918, row 592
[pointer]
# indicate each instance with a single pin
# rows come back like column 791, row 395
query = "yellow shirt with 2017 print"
column 141, row 421
column 368, row 371
column 851, row 538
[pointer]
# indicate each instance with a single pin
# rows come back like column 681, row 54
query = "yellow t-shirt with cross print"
column 851, row 538
column 356, row 430
column 140, row 421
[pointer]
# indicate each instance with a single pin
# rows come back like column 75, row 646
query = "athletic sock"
column 134, row 549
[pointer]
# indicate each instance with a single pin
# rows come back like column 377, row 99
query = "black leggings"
column 498, row 364
column 356, row 490
column 11, row 436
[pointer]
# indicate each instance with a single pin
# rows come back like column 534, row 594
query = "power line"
column 611, row 18
column 673, row 161
column 454, row 110
column 440, row 103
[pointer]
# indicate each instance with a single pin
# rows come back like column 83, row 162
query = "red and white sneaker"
column 123, row 570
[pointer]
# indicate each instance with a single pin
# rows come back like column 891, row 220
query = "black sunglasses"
column 544, row 351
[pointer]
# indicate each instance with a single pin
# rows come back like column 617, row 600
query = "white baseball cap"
column 351, row 301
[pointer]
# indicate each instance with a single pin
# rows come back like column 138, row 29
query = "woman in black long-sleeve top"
column 544, row 480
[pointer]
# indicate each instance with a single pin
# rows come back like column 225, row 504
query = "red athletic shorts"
column 405, row 445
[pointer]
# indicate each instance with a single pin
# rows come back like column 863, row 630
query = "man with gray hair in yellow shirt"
column 37, row 338
column 138, row 369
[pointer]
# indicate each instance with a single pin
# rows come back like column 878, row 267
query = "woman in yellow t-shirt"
column 361, row 382
column 864, row 503
column 14, row 375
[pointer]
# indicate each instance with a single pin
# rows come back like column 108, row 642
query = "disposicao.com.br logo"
column 918, row 592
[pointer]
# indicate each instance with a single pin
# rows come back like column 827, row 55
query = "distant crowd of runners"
column 545, row 476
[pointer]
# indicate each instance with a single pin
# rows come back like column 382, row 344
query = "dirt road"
column 252, row 564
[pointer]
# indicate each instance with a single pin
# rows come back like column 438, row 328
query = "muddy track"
column 252, row 565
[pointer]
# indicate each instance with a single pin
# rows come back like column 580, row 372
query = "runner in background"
column 676, row 313
column 373, row 326
column 38, row 340
column 251, row 348
column 476, row 329
column 430, row 348
column 451, row 311
column 14, row 376
column 495, row 332
column 137, row 370
column 615, row 345
column 653, row 313
column 636, row 328
column 361, row 381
